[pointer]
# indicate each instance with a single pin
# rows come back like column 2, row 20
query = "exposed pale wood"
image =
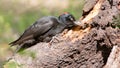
column 81, row 48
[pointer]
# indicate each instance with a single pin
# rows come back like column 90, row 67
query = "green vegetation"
column 13, row 22
column 116, row 21
column 27, row 53
column 16, row 16
column 12, row 64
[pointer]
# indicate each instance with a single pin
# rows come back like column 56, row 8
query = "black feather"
column 44, row 29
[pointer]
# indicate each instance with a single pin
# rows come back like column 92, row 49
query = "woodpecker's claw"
column 55, row 39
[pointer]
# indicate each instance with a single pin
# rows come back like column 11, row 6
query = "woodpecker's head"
column 67, row 19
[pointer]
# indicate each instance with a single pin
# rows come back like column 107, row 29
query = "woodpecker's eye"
column 71, row 18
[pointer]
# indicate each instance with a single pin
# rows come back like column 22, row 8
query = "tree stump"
column 92, row 44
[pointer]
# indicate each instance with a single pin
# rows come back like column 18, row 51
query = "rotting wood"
column 81, row 48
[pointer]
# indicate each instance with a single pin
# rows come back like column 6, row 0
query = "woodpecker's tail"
column 13, row 43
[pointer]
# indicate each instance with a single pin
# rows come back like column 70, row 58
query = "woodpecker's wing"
column 38, row 28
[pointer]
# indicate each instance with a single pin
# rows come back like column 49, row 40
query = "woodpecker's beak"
column 77, row 23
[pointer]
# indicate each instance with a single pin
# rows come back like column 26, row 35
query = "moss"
column 27, row 53
column 12, row 64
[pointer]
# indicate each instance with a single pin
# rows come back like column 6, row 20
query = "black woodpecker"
column 44, row 29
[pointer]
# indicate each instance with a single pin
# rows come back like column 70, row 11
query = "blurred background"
column 17, row 15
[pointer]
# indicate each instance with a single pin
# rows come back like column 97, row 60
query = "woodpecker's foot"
column 55, row 39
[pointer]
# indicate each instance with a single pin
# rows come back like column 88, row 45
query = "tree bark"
column 92, row 44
